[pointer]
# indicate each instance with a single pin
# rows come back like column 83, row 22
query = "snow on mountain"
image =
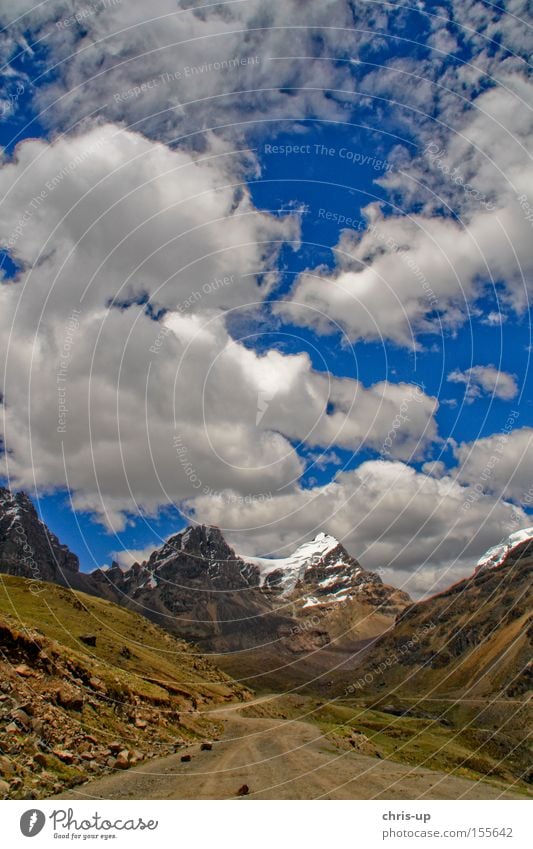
column 290, row 570
column 496, row 555
column 9, row 507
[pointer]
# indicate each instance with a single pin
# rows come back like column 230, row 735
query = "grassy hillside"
column 87, row 686
column 418, row 739
column 474, row 640
column 460, row 660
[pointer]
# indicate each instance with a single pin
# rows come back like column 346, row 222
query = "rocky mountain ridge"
column 27, row 547
column 474, row 639
column 197, row 587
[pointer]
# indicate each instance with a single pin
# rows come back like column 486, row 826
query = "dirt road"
column 279, row 759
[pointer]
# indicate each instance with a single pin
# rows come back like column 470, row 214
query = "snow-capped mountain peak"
column 496, row 555
column 290, row 570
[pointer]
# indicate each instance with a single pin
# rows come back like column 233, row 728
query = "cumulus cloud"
column 485, row 380
column 412, row 272
column 178, row 69
column 413, row 528
column 111, row 230
column 123, row 383
column 127, row 557
column 501, row 464
column 109, row 215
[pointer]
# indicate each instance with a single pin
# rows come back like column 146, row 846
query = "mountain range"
column 274, row 622
column 196, row 586
column 75, row 645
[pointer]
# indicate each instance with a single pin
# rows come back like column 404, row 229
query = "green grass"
column 130, row 650
column 409, row 740
column 145, row 673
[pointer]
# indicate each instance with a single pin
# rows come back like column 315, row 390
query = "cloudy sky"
column 268, row 265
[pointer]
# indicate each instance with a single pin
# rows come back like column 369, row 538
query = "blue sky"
column 308, row 153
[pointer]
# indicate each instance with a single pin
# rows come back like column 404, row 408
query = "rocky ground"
column 282, row 757
column 67, row 714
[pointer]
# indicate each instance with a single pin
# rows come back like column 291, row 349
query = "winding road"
column 279, row 759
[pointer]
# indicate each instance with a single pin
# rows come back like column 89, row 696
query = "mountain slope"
column 197, row 586
column 475, row 638
column 83, row 680
column 257, row 614
column 27, row 547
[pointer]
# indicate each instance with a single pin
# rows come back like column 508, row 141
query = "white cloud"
column 494, row 319
column 414, row 528
column 107, row 214
column 128, row 556
column 501, row 464
column 485, row 380
column 95, row 397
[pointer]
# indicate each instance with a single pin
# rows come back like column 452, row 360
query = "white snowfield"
column 293, row 568
column 496, row 555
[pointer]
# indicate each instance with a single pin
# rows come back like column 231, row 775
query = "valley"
column 299, row 677
column 272, row 757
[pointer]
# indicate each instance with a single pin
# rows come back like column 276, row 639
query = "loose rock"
column 123, row 760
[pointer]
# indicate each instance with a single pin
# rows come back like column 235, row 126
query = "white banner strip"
column 267, row 824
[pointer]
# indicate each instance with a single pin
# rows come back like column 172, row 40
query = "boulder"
column 243, row 790
column 123, row 760
column 185, row 758
column 24, row 670
column 4, row 789
column 63, row 755
column 206, row 746
column 88, row 639
column 69, row 699
column 6, row 767
column 21, row 718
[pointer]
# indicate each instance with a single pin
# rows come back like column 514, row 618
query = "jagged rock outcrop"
column 27, row 547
